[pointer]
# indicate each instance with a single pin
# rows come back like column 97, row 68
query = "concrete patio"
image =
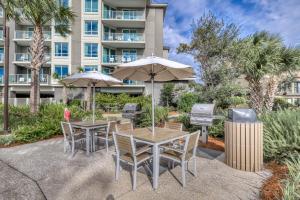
column 41, row 171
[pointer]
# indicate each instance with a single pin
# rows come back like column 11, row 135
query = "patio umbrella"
column 96, row 79
column 153, row 69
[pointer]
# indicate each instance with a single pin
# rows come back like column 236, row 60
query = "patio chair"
column 174, row 126
column 107, row 134
column 71, row 137
column 125, row 127
column 127, row 153
column 184, row 156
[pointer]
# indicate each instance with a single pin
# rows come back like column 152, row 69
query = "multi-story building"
column 105, row 33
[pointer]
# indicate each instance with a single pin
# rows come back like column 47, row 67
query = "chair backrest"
column 111, row 127
column 124, row 144
column 174, row 126
column 67, row 130
column 126, row 127
column 191, row 144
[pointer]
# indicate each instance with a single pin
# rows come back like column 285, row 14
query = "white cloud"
column 276, row 16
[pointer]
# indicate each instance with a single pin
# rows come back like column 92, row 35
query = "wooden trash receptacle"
column 244, row 145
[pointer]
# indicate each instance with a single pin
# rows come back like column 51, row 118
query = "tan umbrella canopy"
column 92, row 78
column 153, row 69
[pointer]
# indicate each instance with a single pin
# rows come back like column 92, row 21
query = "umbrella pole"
column 94, row 103
column 153, row 106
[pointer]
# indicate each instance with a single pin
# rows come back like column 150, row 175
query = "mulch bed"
column 214, row 143
column 272, row 188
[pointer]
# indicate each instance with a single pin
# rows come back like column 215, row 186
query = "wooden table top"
column 90, row 124
column 161, row 134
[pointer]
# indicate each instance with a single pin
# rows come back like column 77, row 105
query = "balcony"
column 24, row 38
column 126, row 3
column 1, row 37
column 118, row 59
column 124, row 18
column 25, row 79
column 1, row 58
column 124, row 40
column 24, row 59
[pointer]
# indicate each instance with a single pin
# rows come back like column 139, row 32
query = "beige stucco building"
column 105, row 33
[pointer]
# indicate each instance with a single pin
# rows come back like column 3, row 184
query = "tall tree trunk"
column 37, row 54
column 256, row 95
column 271, row 90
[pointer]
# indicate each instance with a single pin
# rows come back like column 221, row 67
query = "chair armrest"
column 143, row 150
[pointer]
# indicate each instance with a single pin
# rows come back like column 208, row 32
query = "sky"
column 276, row 16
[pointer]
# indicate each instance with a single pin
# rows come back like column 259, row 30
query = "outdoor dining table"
column 88, row 126
column 161, row 136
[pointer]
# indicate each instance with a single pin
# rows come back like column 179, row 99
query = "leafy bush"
column 186, row 101
column 281, row 134
column 166, row 94
column 105, row 101
column 281, row 104
column 161, row 115
column 7, row 139
column 27, row 127
column 185, row 120
column 291, row 190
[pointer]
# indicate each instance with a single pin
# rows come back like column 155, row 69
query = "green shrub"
column 166, row 94
column 185, row 120
column 7, row 139
column 281, row 134
column 117, row 102
column 27, row 127
column 186, row 101
column 291, row 189
column 281, row 104
column 161, row 115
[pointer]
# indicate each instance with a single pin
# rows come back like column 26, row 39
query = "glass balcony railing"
column 26, row 57
column 111, row 59
column 1, row 35
column 123, row 14
column 28, row 35
column 1, row 57
column 26, row 78
column 124, row 37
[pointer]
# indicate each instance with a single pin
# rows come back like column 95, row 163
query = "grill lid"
column 131, row 107
column 203, row 110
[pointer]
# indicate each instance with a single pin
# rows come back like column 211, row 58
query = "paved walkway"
column 42, row 171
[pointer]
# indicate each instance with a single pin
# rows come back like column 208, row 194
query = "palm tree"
column 39, row 13
column 265, row 62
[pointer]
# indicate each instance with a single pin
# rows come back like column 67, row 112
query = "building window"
column 88, row 68
column 61, row 49
column 1, row 54
column 91, row 5
column 1, row 12
column 91, row 27
column 64, row 3
column 1, row 74
column 297, row 87
column 107, row 70
column 91, row 50
column 61, row 71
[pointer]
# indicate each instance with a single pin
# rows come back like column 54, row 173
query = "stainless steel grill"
column 131, row 111
column 203, row 115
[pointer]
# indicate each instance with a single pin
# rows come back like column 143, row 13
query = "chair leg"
column 183, row 172
column 134, row 177
column 195, row 167
column 169, row 164
column 117, row 168
column 65, row 146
